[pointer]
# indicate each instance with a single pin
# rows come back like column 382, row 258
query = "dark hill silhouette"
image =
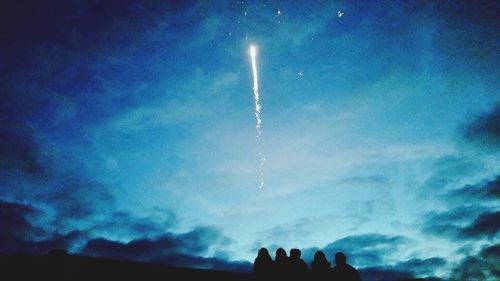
column 58, row 265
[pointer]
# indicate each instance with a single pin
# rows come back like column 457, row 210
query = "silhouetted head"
column 281, row 254
column 295, row 254
column 319, row 256
column 340, row 258
column 263, row 253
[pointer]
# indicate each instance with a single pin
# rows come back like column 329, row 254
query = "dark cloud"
column 195, row 242
column 471, row 268
column 468, row 222
column 371, row 253
column 421, row 267
column 76, row 196
column 381, row 273
column 485, row 129
column 367, row 249
column 20, row 235
column 493, row 188
column 449, row 223
column 32, row 169
column 70, row 193
column 488, row 190
column 124, row 224
column 15, row 220
column 186, row 249
column 483, row 266
column 410, row 269
column 491, row 252
column 458, row 215
column 449, row 171
column 18, row 149
column 487, row 224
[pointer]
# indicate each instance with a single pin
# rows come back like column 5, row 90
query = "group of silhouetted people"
column 295, row 268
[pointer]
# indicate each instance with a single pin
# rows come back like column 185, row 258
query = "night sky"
column 127, row 130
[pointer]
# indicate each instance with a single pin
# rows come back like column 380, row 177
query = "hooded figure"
column 320, row 267
column 263, row 264
column 281, row 264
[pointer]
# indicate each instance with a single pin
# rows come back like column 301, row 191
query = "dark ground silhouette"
column 58, row 265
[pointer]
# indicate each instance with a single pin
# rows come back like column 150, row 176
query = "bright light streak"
column 258, row 125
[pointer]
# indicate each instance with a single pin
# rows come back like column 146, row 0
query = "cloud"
column 122, row 224
column 18, row 149
column 200, row 97
column 373, row 180
column 491, row 252
column 75, row 196
column 487, row 224
column 449, row 223
column 196, row 242
column 292, row 232
column 373, row 254
column 410, row 269
column 203, row 247
column 19, row 235
column 31, row 166
column 468, row 222
column 381, row 273
column 449, row 171
column 421, row 267
column 485, row 129
column 487, row 190
column 186, row 249
column 483, row 266
column 367, row 249
column 15, row 221
column 68, row 191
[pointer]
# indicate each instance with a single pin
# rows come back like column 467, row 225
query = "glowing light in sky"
column 258, row 125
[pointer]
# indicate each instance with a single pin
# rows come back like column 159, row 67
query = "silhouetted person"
column 281, row 264
column 320, row 267
column 298, row 266
column 343, row 271
column 263, row 265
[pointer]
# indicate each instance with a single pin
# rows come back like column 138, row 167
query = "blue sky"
column 128, row 124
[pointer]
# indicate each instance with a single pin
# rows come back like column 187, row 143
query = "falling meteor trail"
column 258, row 125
